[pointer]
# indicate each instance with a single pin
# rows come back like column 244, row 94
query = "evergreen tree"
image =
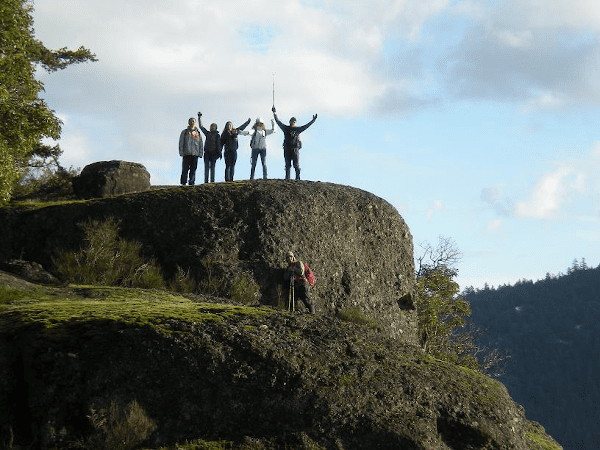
column 25, row 119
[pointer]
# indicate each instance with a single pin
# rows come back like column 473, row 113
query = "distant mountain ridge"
column 552, row 329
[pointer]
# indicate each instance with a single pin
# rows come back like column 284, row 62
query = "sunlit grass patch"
column 125, row 305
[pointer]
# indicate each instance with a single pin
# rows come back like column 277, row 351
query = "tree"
column 440, row 309
column 442, row 312
column 25, row 119
column 445, row 254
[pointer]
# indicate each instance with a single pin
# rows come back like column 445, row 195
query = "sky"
column 477, row 120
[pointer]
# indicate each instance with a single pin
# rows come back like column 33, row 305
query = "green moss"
column 540, row 441
column 38, row 204
column 131, row 306
column 355, row 315
column 348, row 380
column 9, row 295
column 202, row 445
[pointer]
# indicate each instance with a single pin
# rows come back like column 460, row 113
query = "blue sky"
column 477, row 120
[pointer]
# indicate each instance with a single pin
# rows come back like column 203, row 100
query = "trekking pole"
column 293, row 300
column 289, row 299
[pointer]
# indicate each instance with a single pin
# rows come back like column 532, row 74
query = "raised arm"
column 304, row 127
column 244, row 125
column 204, row 130
column 272, row 130
column 281, row 124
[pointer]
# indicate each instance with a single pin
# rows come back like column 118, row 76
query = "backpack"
column 310, row 276
column 294, row 143
column 256, row 137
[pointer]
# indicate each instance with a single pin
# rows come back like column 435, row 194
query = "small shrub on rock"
column 118, row 428
column 108, row 260
column 183, row 281
column 244, row 289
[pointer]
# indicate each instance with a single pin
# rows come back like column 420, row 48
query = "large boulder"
column 107, row 178
column 29, row 270
column 357, row 244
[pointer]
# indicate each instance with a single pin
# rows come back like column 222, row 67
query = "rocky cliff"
column 211, row 374
column 357, row 244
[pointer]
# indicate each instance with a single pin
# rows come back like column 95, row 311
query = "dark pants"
column 292, row 157
column 209, row 169
column 263, row 159
column 189, row 165
column 230, row 159
column 301, row 292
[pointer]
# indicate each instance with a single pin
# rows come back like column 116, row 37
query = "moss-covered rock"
column 357, row 244
column 249, row 377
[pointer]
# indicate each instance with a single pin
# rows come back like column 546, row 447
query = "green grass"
column 537, row 440
column 37, row 204
column 130, row 306
column 355, row 315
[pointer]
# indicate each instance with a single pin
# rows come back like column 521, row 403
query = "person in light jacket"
column 190, row 149
column 258, row 144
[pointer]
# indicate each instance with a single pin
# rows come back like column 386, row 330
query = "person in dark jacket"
column 292, row 143
column 229, row 141
column 295, row 275
column 190, row 149
column 212, row 150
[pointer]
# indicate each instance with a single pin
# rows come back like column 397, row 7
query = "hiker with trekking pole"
column 299, row 278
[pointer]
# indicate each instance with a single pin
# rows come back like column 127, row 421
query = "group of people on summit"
column 225, row 145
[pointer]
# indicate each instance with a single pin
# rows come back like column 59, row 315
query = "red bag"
column 310, row 276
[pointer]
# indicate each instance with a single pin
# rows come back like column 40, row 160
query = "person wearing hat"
column 190, row 149
column 258, row 144
column 292, row 143
column 295, row 270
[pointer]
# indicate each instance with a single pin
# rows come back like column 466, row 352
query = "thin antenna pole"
column 273, row 90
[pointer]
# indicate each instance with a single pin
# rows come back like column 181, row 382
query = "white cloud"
column 436, row 205
column 515, row 39
column 555, row 193
column 574, row 14
column 494, row 225
column 550, row 193
column 542, row 102
column 514, row 50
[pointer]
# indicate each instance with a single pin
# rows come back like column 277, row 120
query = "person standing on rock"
column 295, row 273
column 212, row 150
column 190, row 149
column 258, row 144
column 292, row 143
column 229, row 140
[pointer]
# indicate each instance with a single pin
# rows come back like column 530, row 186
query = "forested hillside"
column 551, row 328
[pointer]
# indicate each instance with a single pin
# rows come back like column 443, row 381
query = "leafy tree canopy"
column 25, row 119
column 442, row 312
